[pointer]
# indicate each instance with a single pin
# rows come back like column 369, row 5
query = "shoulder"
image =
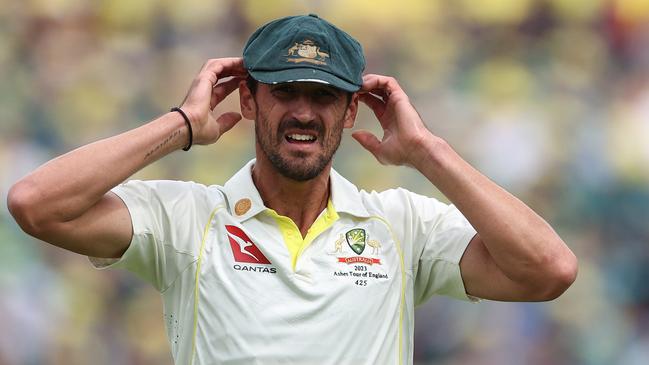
column 397, row 199
column 172, row 193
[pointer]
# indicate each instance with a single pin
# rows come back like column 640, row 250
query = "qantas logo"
column 243, row 249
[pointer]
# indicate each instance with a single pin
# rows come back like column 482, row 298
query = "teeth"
column 301, row 137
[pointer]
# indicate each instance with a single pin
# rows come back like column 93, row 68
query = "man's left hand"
column 404, row 133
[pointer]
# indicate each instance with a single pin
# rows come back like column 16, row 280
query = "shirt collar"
column 241, row 187
column 344, row 195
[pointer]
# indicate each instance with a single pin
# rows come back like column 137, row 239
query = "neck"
column 302, row 201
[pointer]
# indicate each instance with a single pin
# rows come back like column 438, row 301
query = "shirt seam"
column 455, row 260
column 190, row 264
column 403, row 271
column 206, row 230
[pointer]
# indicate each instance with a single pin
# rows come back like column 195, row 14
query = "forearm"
column 520, row 242
column 67, row 186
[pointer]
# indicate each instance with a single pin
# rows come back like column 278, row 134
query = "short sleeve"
column 439, row 262
column 166, row 219
column 435, row 235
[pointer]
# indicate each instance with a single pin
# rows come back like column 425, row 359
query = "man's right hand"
column 206, row 93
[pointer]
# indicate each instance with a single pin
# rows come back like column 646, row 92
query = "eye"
column 284, row 91
column 325, row 95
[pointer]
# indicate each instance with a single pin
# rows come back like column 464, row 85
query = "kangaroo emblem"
column 339, row 243
column 376, row 245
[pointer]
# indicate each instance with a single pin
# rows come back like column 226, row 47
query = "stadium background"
column 548, row 98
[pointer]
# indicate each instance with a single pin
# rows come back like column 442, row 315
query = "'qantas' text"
column 268, row 270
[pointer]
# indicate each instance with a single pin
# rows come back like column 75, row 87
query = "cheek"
column 335, row 129
column 341, row 111
column 273, row 109
column 267, row 114
column 331, row 113
column 270, row 113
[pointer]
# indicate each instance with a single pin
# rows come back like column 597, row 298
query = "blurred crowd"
column 548, row 98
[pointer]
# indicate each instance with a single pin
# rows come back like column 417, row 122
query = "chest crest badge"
column 356, row 240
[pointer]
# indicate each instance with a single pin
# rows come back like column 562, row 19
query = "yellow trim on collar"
column 293, row 239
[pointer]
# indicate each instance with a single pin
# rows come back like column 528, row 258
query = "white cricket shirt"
column 241, row 286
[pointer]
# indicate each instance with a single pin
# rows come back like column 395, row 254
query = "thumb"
column 226, row 121
column 368, row 141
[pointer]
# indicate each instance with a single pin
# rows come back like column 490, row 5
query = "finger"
column 386, row 86
column 225, row 67
column 378, row 82
column 377, row 92
column 380, row 93
column 368, row 141
column 222, row 90
column 373, row 102
column 227, row 120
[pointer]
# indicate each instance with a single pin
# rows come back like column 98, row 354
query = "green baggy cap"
column 304, row 48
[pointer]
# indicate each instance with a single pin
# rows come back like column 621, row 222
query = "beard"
column 299, row 166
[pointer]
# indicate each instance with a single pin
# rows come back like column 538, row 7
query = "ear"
column 350, row 113
column 247, row 101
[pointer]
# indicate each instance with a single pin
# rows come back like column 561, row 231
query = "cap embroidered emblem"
column 242, row 206
column 307, row 51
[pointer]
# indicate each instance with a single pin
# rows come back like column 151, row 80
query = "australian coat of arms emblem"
column 307, row 51
column 357, row 239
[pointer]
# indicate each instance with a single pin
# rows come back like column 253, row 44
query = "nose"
column 302, row 109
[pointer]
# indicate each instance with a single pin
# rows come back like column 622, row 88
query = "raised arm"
column 67, row 201
column 516, row 255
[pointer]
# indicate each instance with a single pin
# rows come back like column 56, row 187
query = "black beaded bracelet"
column 189, row 126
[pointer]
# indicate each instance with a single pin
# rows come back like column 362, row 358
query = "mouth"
column 301, row 138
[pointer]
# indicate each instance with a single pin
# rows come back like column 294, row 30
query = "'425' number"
column 361, row 282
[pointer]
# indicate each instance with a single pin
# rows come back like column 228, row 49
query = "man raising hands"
column 255, row 270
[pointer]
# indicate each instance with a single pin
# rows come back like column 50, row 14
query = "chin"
column 300, row 169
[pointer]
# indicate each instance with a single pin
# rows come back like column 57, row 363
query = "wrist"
column 192, row 115
column 164, row 135
column 175, row 125
column 429, row 152
column 188, row 125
